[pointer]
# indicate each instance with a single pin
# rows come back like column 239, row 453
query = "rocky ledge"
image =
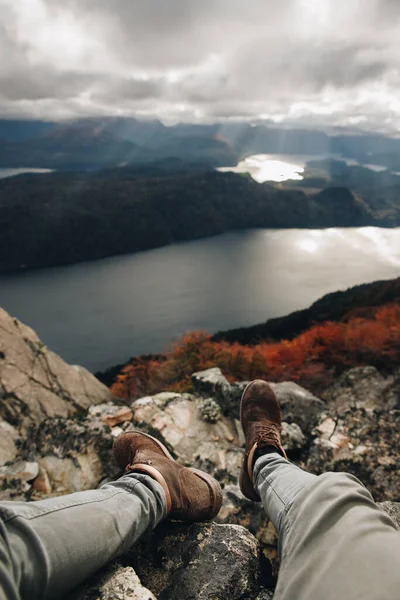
column 58, row 424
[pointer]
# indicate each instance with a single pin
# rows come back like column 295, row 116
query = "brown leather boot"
column 191, row 494
column 260, row 416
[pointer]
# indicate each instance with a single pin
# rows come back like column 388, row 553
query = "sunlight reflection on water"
column 263, row 167
column 4, row 173
column 308, row 245
column 382, row 245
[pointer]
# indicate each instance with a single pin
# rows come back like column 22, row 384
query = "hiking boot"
column 260, row 416
column 191, row 494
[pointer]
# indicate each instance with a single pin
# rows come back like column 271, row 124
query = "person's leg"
column 278, row 482
column 334, row 541
column 8, row 584
column 50, row 546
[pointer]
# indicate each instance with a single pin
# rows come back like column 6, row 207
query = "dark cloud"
column 41, row 84
column 119, row 90
column 298, row 60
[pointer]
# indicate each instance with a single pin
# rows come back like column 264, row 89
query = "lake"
column 12, row 172
column 282, row 167
column 262, row 167
column 101, row 313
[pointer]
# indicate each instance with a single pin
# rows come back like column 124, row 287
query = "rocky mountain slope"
column 58, row 424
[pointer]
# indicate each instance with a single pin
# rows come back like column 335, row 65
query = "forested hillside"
column 314, row 358
column 63, row 218
column 360, row 301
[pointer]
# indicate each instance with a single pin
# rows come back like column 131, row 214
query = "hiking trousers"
column 334, row 541
column 50, row 546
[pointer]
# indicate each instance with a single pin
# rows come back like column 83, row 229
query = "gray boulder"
column 36, row 383
column 114, row 583
column 8, row 437
column 110, row 414
column 265, row 595
column 392, row 509
column 391, row 398
column 25, row 471
column 361, row 387
column 194, row 429
column 298, row 405
column 363, row 442
column 202, row 561
column 212, row 383
column 236, row 509
column 16, row 480
column 292, row 437
column 60, row 456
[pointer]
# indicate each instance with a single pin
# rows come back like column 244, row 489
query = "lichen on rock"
column 210, row 410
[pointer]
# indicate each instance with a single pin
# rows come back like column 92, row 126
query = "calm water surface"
column 282, row 167
column 11, row 172
column 101, row 313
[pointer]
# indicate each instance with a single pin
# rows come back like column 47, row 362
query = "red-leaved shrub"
column 312, row 358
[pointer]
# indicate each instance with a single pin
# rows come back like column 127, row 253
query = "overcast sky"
column 302, row 62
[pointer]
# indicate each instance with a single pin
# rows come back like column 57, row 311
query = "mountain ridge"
column 63, row 218
column 238, row 140
column 358, row 300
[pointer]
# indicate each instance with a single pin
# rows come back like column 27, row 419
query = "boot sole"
column 213, row 485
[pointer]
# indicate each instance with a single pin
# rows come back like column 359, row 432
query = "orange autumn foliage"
column 312, row 358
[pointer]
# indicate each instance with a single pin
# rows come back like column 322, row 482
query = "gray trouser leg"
column 278, row 482
column 335, row 541
column 49, row 547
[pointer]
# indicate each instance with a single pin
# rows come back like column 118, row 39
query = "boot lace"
column 268, row 435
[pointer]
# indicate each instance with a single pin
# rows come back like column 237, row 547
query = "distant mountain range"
column 124, row 185
column 94, row 143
